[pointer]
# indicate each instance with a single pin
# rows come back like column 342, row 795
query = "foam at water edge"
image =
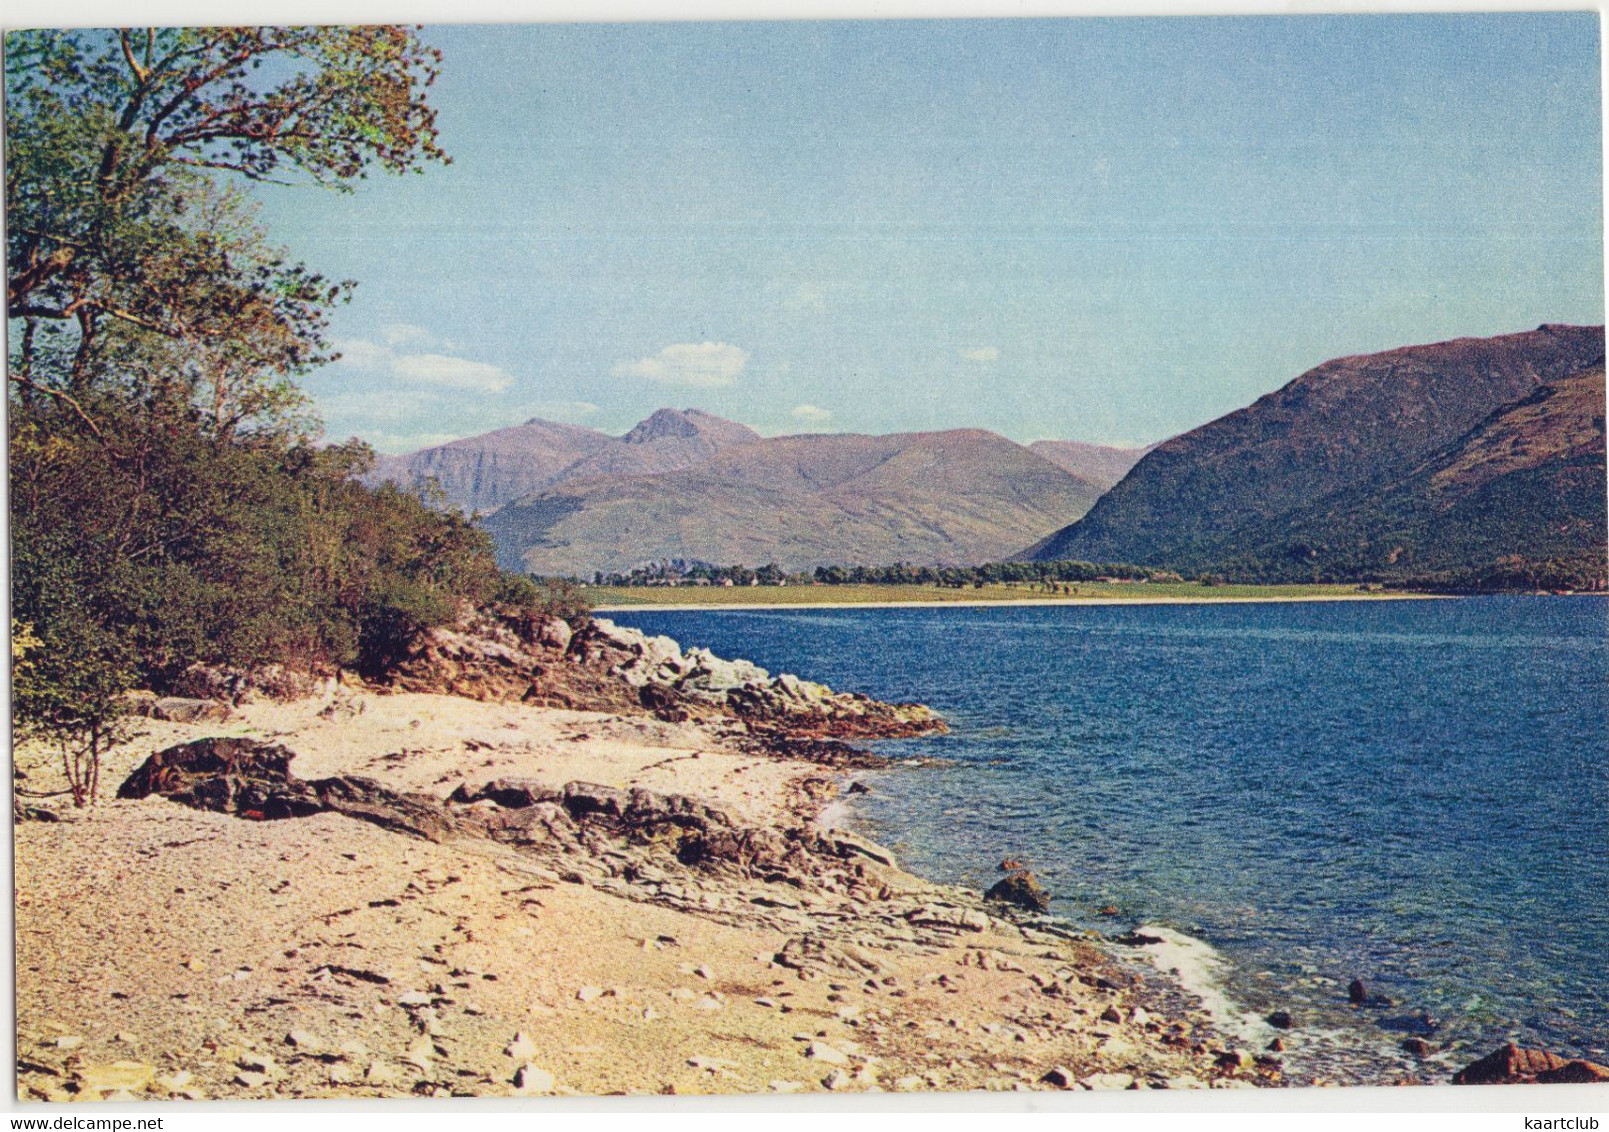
column 836, row 815
column 1198, row 968
column 1324, row 1051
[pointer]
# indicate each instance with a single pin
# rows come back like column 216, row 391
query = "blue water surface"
column 1415, row 793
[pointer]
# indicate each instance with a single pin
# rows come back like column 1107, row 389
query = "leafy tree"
column 117, row 225
column 167, row 509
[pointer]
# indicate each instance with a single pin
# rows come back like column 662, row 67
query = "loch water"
column 1412, row 793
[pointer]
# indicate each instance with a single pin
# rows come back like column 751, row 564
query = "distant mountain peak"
column 670, row 424
column 962, row 495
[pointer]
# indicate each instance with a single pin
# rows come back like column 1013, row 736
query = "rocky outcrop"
column 209, row 682
column 252, row 779
column 1511, row 1065
column 490, row 655
column 699, row 678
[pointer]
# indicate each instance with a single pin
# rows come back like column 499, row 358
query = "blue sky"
column 1105, row 230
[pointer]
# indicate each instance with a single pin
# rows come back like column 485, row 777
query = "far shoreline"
column 976, row 603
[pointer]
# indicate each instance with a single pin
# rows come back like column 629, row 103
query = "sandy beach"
column 168, row 952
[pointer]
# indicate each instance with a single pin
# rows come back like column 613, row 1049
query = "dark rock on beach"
column 1281, row 1020
column 252, row 779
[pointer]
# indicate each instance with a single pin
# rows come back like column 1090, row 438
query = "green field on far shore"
column 622, row 597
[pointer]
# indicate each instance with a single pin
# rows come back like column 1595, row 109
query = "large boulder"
column 1511, row 1065
column 245, row 777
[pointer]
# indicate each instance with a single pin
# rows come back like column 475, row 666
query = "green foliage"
column 153, row 546
column 553, row 597
column 119, row 242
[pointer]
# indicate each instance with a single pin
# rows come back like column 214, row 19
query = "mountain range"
column 802, row 501
column 560, row 499
column 1422, row 462
column 1413, row 462
column 481, row 473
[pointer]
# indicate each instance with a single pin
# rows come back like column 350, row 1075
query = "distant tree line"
column 683, row 572
column 1511, row 573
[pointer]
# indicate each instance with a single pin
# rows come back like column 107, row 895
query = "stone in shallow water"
column 1510, row 1064
column 1021, row 889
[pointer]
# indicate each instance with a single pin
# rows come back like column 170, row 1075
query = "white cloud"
column 702, row 365
column 811, row 414
column 981, row 354
column 451, row 373
column 440, row 371
column 396, row 444
column 398, row 334
column 392, row 408
column 359, row 354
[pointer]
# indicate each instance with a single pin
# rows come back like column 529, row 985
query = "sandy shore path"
column 169, row 952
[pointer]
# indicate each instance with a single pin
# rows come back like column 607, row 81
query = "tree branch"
column 78, row 410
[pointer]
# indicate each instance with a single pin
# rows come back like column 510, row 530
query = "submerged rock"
column 1021, row 889
column 1358, row 995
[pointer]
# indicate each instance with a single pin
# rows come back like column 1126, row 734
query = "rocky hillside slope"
column 1333, row 474
column 1521, row 493
column 958, row 497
